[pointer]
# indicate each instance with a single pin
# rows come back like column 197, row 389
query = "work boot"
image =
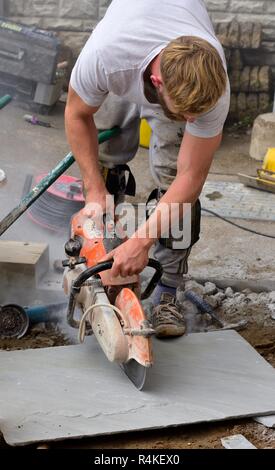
column 160, row 290
column 166, row 318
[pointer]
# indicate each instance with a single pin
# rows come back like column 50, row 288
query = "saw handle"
column 151, row 264
column 155, row 279
column 76, row 287
column 106, row 265
column 99, row 268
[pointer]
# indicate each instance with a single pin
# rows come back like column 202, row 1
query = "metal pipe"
column 45, row 313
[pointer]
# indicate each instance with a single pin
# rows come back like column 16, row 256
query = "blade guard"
column 140, row 348
column 111, row 329
column 108, row 332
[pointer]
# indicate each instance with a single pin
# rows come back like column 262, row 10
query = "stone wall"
column 75, row 19
column 262, row 11
column 246, row 29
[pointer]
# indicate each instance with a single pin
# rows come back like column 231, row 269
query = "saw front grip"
column 94, row 271
column 76, row 287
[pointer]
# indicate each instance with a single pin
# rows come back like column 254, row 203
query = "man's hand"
column 129, row 258
column 98, row 204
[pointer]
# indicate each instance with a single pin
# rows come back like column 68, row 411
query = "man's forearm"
column 194, row 161
column 172, row 207
column 83, row 139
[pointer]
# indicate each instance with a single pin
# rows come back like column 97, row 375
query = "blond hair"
column 193, row 75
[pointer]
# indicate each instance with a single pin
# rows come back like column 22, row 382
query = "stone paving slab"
column 267, row 421
column 235, row 200
column 73, row 391
column 238, row 441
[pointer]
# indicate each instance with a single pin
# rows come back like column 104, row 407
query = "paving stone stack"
column 251, row 86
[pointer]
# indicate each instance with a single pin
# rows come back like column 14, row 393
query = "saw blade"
column 135, row 372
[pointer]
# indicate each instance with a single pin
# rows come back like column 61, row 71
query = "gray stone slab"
column 234, row 200
column 238, row 441
column 267, row 421
column 73, row 391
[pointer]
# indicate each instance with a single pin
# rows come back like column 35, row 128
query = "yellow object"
column 265, row 179
column 269, row 160
column 145, row 134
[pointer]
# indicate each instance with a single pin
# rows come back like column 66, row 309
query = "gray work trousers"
column 164, row 147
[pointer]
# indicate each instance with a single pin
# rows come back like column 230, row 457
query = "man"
column 160, row 60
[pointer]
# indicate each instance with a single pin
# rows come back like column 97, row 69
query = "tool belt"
column 151, row 204
column 117, row 182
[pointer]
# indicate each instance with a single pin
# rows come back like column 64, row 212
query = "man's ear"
column 157, row 82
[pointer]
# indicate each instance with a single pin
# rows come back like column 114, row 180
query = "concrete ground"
column 223, row 252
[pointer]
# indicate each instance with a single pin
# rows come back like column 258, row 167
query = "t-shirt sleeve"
column 88, row 77
column 211, row 124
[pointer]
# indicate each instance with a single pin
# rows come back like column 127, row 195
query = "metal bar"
column 203, row 306
column 5, row 100
column 44, row 184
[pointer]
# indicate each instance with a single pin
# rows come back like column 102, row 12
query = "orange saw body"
column 110, row 306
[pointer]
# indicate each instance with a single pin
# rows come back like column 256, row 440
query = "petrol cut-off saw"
column 110, row 307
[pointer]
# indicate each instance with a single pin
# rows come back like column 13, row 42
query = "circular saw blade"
column 135, row 372
column 14, row 321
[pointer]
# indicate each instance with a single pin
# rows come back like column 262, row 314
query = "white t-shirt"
column 128, row 38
